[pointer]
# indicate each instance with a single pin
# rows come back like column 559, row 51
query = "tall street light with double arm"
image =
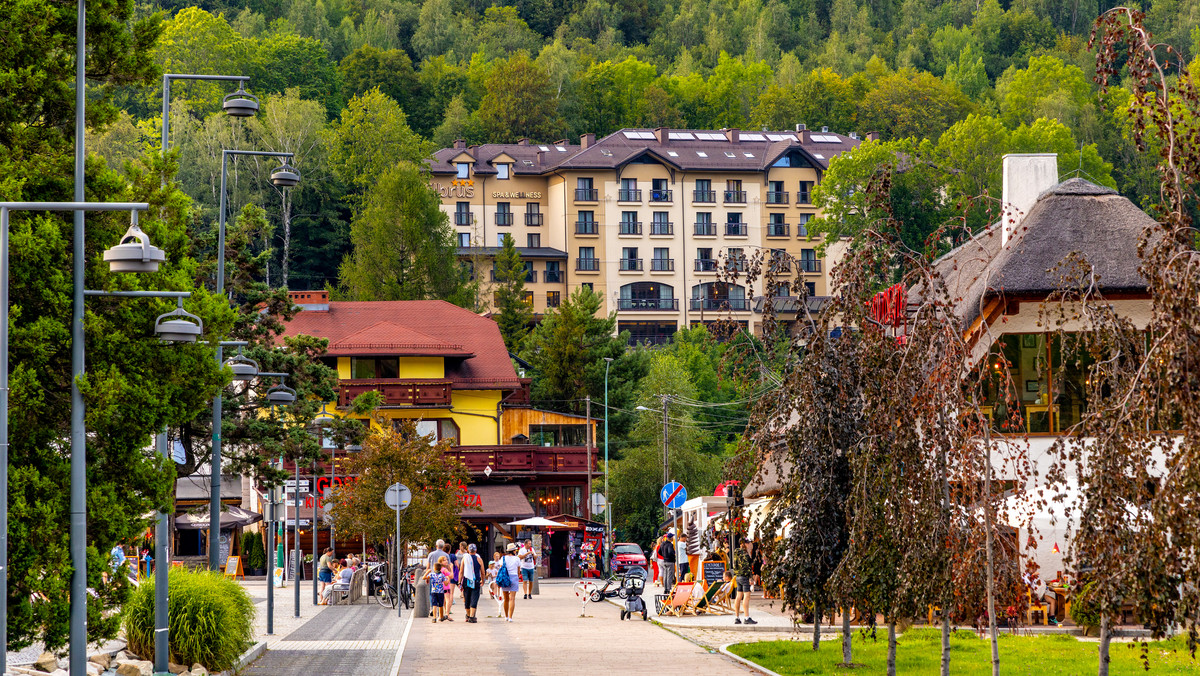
column 284, row 176
column 608, row 503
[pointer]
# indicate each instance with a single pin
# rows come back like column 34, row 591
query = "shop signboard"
column 714, row 570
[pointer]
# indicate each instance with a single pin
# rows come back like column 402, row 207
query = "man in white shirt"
column 528, row 564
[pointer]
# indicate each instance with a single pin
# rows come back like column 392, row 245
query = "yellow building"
column 646, row 217
column 447, row 368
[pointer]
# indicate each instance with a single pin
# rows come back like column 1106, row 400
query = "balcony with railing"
column 649, row 304
column 631, row 264
column 662, row 265
column 662, row 228
column 523, row 459
column 462, row 218
column 504, row 218
column 735, row 229
column 585, row 228
column 778, row 230
column 704, row 196
column 587, row 195
column 780, row 264
column 587, row 264
column 660, row 196
column 706, row 265
column 631, row 228
column 553, row 276
column 706, row 229
column 533, row 219
column 737, row 304
column 397, row 391
column 809, row 265
column 629, row 195
column 737, row 264
column 735, row 196
column 777, row 197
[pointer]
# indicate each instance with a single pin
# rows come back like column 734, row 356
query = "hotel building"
column 645, row 217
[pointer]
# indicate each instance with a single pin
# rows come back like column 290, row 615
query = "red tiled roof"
column 474, row 350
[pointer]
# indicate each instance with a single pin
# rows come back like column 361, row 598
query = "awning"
column 496, row 502
column 231, row 517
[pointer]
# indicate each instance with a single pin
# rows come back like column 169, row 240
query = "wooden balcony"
column 525, row 459
column 397, row 391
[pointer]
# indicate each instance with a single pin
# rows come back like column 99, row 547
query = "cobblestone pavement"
column 358, row 640
column 548, row 636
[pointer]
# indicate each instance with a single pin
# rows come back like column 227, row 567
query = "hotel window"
column 704, row 191
column 502, row 171
column 464, row 239
column 659, row 191
column 585, row 190
column 629, row 258
column 462, row 213
column 553, row 298
column 590, row 286
column 804, row 194
column 533, row 213
column 500, row 240
column 504, row 213
column 587, row 259
column 464, row 169
column 533, row 240
column 802, row 228
column 374, row 367
column 530, row 274
column 629, row 191
column 630, row 225
column 810, row 288
column 553, row 273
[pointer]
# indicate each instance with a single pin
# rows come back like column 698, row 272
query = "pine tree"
column 513, row 310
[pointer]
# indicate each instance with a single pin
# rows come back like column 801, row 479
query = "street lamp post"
column 608, row 503
column 238, row 104
column 284, row 177
column 666, row 471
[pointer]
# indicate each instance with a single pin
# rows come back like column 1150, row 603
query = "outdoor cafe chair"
column 681, row 598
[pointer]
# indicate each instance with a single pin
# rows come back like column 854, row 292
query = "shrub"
column 252, row 547
column 210, row 617
column 1084, row 610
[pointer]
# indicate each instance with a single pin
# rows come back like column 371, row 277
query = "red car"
column 626, row 555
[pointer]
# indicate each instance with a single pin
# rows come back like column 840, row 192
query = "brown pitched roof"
column 475, row 354
column 504, row 501
column 686, row 149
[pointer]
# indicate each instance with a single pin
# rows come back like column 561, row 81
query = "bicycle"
column 407, row 590
column 385, row 593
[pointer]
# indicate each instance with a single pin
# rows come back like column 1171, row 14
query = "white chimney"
column 1026, row 175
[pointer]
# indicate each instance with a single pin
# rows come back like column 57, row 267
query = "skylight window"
column 544, row 149
column 753, row 137
column 560, row 149
column 528, row 163
column 818, row 156
column 748, row 154
column 701, row 153
column 672, row 153
column 606, row 152
column 681, row 136
column 729, row 154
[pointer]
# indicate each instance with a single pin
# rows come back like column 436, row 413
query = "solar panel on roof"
column 753, row 137
column 710, row 136
column 821, row 138
column 640, row 135
column 780, row 137
column 681, row 136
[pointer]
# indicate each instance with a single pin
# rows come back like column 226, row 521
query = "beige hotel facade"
column 645, row 217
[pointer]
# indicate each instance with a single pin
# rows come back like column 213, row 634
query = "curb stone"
column 724, row 650
column 249, row 656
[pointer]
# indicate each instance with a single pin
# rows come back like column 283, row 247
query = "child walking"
column 437, row 588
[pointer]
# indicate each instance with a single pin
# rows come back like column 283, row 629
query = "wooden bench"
column 350, row 594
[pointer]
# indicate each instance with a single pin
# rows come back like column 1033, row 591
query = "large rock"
column 102, row 660
column 199, row 670
column 59, row 672
column 46, row 662
column 176, row 668
column 94, row 669
column 135, row 668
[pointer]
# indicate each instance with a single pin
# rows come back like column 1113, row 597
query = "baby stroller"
column 633, row 584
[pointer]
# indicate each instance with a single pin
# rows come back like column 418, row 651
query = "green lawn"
column 919, row 652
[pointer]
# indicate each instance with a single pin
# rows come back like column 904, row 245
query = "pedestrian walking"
column 666, row 551
column 437, row 585
column 451, row 571
column 508, row 576
column 742, row 570
column 656, row 561
column 497, row 592
column 472, row 581
column 324, row 571
column 528, row 567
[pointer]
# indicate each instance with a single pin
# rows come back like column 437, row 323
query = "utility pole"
column 666, row 466
column 587, row 493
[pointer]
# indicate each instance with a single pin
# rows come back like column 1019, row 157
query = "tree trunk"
column 947, row 597
column 945, row 640
column 847, row 637
column 1105, row 638
column 991, row 555
column 816, row 627
column 891, row 665
column 287, row 239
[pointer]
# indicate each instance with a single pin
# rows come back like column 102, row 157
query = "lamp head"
column 178, row 326
column 285, row 176
column 244, row 369
column 134, row 253
column 240, row 103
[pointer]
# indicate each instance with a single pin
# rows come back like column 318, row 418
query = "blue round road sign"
column 673, row 495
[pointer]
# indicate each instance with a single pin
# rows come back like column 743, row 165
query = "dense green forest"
column 957, row 82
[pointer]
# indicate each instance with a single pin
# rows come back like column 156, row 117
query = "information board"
column 233, row 567
column 714, row 570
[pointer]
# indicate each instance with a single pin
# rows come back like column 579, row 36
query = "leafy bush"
column 1084, row 610
column 209, row 615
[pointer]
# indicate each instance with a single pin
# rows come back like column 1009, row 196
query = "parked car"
column 626, row 555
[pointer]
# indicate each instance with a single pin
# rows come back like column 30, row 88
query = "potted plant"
column 308, row 567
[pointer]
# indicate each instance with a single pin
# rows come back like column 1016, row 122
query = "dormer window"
column 502, row 171
column 464, row 169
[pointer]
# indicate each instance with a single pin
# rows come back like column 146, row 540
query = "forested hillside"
column 965, row 81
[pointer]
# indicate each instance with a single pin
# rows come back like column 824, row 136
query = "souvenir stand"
column 699, row 533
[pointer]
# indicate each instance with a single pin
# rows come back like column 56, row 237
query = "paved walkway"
column 548, row 636
column 358, row 640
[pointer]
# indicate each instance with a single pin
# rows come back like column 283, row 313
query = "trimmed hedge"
column 210, row 617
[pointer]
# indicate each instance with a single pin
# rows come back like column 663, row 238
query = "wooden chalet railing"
column 397, row 391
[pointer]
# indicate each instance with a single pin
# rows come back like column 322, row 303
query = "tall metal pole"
column 399, row 567
column 162, row 626
column 78, row 543
column 296, row 536
column 4, row 438
column 214, row 495
column 332, row 486
column 666, row 469
column 312, row 491
column 271, row 562
column 608, row 506
column 587, row 493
